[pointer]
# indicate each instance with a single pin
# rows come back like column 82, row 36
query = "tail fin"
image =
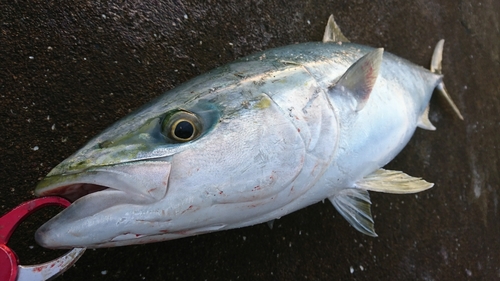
column 437, row 58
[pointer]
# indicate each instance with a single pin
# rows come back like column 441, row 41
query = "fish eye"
column 181, row 126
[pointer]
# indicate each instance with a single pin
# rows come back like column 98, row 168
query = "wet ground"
column 69, row 69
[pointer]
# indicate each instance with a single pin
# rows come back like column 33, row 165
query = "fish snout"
column 105, row 200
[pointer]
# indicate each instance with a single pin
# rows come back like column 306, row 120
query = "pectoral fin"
column 354, row 205
column 358, row 81
column 393, row 182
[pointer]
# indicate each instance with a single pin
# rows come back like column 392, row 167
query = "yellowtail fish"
column 247, row 143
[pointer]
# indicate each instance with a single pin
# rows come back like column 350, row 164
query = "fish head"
column 173, row 169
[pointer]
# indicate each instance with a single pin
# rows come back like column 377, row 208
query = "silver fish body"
column 275, row 132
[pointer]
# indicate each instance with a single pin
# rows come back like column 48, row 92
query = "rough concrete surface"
column 69, row 69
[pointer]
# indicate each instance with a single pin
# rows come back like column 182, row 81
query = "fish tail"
column 436, row 67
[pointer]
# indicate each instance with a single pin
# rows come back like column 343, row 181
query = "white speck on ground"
column 469, row 273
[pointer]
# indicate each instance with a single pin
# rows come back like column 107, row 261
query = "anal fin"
column 354, row 205
column 393, row 182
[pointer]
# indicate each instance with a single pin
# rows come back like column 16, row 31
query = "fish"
column 247, row 143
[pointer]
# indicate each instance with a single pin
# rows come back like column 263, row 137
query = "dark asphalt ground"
column 81, row 65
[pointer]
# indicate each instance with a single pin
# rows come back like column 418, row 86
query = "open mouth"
column 145, row 180
column 74, row 191
column 92, row 192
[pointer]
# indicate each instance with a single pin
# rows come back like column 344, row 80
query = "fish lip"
column 128, row 178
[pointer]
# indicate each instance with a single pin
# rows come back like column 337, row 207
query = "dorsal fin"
column 354, row 205
column 424, row 122
column 333, row 33
column 358, row 81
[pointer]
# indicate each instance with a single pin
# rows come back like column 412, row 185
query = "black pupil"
column 184, row 130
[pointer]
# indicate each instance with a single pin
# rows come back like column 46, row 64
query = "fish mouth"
column 146, row 179
column 73, row 192
column 98, row 196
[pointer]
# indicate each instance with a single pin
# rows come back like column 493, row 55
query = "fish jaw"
column 105, row 198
